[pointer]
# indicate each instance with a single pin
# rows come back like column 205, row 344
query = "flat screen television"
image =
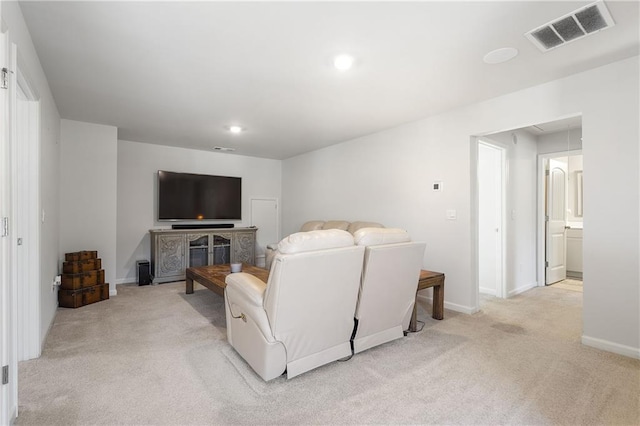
column 189, row 196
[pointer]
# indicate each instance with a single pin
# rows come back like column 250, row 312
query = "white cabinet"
column 174, row 250
column 574, row 252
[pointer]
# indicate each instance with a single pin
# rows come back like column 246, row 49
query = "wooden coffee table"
column 213, row 276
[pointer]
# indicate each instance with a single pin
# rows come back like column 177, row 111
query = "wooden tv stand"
column 175, row 250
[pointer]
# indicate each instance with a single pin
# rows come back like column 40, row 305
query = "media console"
column 175, row 250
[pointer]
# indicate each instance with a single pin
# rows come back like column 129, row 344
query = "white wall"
column 386, row 177
column 29, row 63
column 88, row 192
column 138, row 164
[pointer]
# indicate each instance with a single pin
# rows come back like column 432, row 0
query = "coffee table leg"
column 438, row 302
column 189, row 283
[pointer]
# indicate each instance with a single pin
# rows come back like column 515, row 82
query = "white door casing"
column 556, row 212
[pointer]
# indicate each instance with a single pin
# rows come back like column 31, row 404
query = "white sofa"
column 315, row 225
column 303, row 317
column 389, row 282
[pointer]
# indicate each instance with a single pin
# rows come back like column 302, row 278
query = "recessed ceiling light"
column 235, row 129
column 343, row 62
column 499, row 56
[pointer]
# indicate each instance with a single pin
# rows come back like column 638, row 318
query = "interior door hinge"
column 4, row 79
column 546, row 264
column 5, row 374
column 5, row 226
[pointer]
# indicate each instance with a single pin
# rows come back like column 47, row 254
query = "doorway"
column 561, row 224
column 523, row 197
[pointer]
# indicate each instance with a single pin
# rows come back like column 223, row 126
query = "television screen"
column 188, row 196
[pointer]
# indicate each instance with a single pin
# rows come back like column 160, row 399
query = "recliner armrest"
column 245, row 294
column 272, row 246
column 247, row 288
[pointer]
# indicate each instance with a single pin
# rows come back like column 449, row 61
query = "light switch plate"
column 452, row 215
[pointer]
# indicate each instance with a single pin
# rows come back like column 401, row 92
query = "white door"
column 264, row 216
column 556, row 254
column 490, row 207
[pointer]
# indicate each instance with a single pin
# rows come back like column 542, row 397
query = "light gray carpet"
column 154, row 355
column 569, row 284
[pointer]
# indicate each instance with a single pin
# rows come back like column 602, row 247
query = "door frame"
column 542, row 159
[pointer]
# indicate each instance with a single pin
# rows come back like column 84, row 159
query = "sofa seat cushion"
column 378, row 236
column 315, row 240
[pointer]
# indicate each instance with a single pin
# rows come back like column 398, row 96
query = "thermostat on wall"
column 437, row 185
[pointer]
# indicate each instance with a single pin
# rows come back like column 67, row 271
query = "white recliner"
column 303, row 317
column 392, row 264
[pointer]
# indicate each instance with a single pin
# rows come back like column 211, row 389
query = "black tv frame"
column 198, row 197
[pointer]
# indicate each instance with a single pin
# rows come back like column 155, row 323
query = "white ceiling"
column 178, row 73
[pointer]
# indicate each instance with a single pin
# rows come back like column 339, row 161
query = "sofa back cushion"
column 312, row 225
column 315, row 240
column 355, row 226
column 378, row 236
column 336, row 224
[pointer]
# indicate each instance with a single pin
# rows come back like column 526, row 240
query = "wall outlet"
column 56, row 283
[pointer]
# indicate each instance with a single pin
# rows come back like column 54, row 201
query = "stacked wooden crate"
column 82, row 280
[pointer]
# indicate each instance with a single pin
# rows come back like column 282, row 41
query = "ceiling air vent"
column 223, row 149
column 573, row 26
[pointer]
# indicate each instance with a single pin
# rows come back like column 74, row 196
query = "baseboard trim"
column 452, row 306
column 126, row 280
column 522, row 289
column 489, row 291
column 43, row 340
column 608, row 346
column 14, row 415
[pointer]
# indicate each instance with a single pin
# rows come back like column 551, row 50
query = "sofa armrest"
column 272, row 246
column 245, row 295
